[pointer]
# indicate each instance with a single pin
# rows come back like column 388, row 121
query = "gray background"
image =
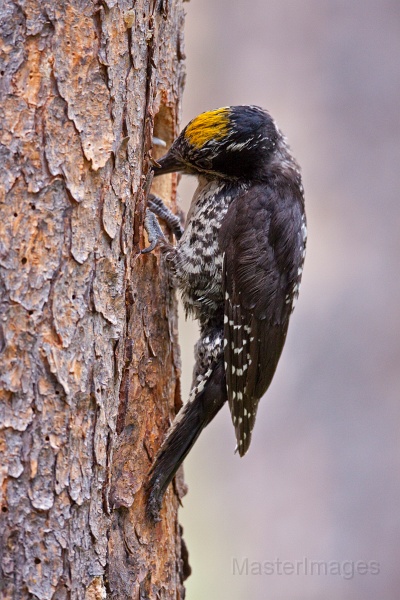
column 321, row 479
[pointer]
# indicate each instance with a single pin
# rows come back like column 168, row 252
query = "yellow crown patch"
column 211, row 125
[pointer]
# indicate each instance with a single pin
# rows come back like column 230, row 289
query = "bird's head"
column 235, row 142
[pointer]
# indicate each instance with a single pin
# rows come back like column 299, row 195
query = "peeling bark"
column 89, row 360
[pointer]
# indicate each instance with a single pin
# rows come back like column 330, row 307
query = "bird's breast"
column 198, row 259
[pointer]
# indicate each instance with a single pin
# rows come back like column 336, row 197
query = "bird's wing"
column 262, row 243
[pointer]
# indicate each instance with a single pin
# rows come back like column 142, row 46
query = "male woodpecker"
column 238, row 265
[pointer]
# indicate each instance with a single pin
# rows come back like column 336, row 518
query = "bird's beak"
column 169, row 163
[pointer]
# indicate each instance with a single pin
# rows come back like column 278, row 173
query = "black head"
column 233, row 142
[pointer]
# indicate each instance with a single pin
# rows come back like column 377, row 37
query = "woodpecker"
column 237, row 264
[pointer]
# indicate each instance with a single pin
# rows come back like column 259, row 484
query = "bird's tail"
column 189, row 422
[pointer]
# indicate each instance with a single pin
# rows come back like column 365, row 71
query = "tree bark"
column 90, row 364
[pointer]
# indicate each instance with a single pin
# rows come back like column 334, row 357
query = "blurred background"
column 321, row 480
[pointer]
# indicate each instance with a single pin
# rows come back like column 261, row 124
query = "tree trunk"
column 89, row 371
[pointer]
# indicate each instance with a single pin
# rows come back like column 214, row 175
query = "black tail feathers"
column 189, row 423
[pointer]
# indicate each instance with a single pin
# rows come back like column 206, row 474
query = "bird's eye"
column 204, row 162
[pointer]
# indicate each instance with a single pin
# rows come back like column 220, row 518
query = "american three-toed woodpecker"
column 238, row 265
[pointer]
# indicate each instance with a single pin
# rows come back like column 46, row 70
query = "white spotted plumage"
column 196, row 262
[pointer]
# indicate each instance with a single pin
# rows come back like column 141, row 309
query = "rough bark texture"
column 89, row 371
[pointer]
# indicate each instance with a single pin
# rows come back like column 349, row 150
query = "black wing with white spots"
column 263, row 241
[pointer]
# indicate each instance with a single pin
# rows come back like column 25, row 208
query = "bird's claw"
column 153, row 230
column 157, row 206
